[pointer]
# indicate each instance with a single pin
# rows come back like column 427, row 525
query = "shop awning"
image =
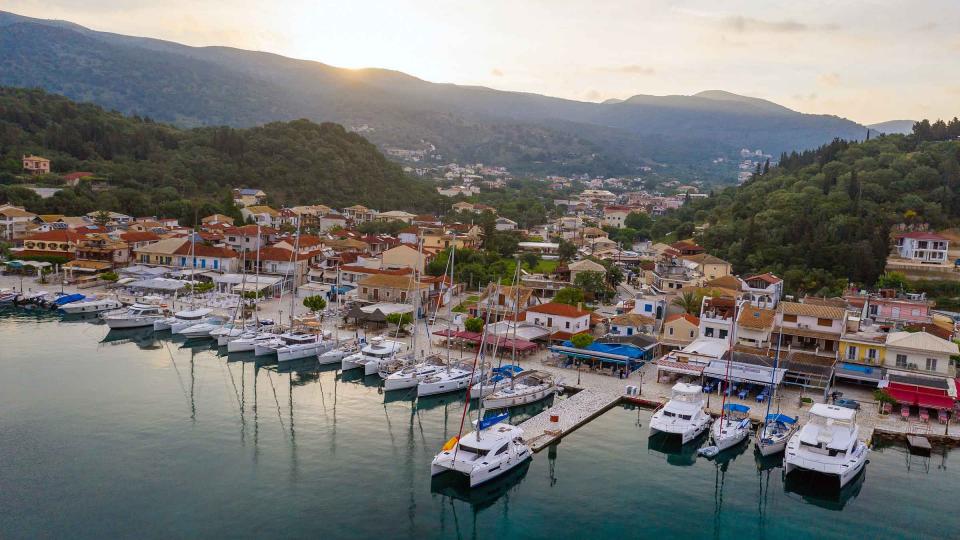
column 87, row 266
column 744, row 373
column 684, row 368
column 921, row 399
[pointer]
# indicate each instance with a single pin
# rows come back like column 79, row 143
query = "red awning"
column 445, row 333
column 466, row 334
column 920, row 399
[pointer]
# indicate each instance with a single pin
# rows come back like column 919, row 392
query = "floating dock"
column 571, row 413
column 919, row 445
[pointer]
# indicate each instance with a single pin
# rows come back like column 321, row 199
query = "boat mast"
column 726, row 377
column 773, row 394
column 293, row 282
column 453, row 256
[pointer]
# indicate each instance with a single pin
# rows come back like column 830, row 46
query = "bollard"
column 554, row 427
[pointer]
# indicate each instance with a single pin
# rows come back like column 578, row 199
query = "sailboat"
column 733, row 426
column 342, row 347
column 491, row 450
column 501, row 377
column 776, row 430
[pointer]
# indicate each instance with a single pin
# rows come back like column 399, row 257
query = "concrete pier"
column 571, row 413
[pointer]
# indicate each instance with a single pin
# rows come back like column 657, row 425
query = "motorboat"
column 773, row 434
column 411, row 376
column 525, row 387
column 181, row 319
column 135, row 316
column 305, row 349
column 91, row 306
column 827, row 444
column 248, row 342
column 494, row 448
column 372, row 355
column 338, row 352
column 35, row 298
column 293, row 345
column 7, row 296
column 500, row 377
column 65, row 299
column 683, row 415
column 202, row 330
column 732, row 428
column 449, row 379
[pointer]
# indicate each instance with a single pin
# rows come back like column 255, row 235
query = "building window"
column 872, row 354
column 825, row 322
column 789, row 318
column 566, row 325
column 648, row 308
column 723, row 334
column 931, row 364
column 708, row 332
column 691, row 333
column 901, row 360
column 851, row 353
column 670, row 331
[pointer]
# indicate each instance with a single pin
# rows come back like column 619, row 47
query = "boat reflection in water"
column 821, row 491
column 457, row 486
column 677, row 453
column 767, row 463
column 143, row 337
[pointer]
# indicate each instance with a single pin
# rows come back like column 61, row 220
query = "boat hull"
column 444, row 386
column 331, row 357
column 842, row 471
column 128, row 323
column 494, row 402
column 686, row 432
column 73, row 309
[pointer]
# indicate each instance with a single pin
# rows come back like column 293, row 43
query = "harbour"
column 168, row 437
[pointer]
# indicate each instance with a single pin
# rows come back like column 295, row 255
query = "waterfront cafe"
column 608, row 353
column 493, row 344
column 937, row 393
column 266, row 286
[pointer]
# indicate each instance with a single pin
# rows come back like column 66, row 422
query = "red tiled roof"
column 560, row 310
column 271, row 253
column 565, row 335
column 203, row 250
column 768, row 277
column 690, row 318
column 250, row 230
column 57, row 235
column 921, row 236
column 367, row 270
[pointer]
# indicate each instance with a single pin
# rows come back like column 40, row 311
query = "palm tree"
column 689, row 301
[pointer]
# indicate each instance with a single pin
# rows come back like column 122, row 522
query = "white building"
column 562, row 320
column 923, row 247
column 763, row 290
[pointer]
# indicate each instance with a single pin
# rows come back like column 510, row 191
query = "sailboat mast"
column 726, row 378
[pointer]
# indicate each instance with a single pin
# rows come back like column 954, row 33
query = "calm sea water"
column 106, row 435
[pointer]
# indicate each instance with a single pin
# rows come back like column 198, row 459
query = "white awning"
column 744, row 372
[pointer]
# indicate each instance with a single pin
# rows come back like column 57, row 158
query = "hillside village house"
column 249, row 237
column 279, row 260
column 215, row 219
column 630, row 324
column 57, row 243
column 503, row 302
column 651, row 305
column 116, row 218
column 564, row 321
column 585, row 265
column 504, row 224
column 679, row 330
column 136, row 240
column 359, row 214
column 404, row 256
column 14, row 222
column 391, row 288
column 861, row 355
column 616, row 216
column 310, row 214
column 811, row 327
column 438, row 239
column 183, row 253
column 901, row 311
column 763, row 290
column 98, row 253
column 261, row 215
column 36, row 165
column 708, row 266
column 395, row 215
column 920, row 352
column 249, row 197
column 923, row 247
column 716, row 317
column 755, row 326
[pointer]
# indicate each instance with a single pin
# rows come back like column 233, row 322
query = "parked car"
column 848, row 403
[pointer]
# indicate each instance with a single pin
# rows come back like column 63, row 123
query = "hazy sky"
column 868, row 60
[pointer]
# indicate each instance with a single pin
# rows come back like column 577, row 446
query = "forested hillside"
column 151, row 168
column 825, row 216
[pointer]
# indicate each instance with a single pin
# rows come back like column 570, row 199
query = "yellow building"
column 863, row 348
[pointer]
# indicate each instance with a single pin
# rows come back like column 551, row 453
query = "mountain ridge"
column 197, row 86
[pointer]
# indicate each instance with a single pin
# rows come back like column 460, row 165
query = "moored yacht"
column 181, row 319
column 296, row 350
column 484, row 454
column 683, row 415
column 203, row 329
column 500, row 377
column 338, row 352
column 91, row 306
column 372, row 355
column 410, row 376
column 135, row 316
column 732, row 428
column 525, row 387
column 248, row 342
column 450, row 379
column 828, row 444
column 773, row 434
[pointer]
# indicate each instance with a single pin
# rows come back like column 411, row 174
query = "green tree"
column 592, row 283
column 582, row 341
column 473, row 324
column 892, row 280
column 101, row 218
column 569, row 295
column 531, row 260
column 315, row 303
column 109, row 276
column 689, row 301
column 399, row 319
column 567, row 251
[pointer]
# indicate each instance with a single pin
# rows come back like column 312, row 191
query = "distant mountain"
column 892, row 127
column 202, row 86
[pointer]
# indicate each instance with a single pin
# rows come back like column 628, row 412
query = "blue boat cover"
column 507, row 369
column 736, row 407
column 491, row 420
column 781, row 418
column 68, row 299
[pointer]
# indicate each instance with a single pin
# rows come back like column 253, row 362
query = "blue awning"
column 736, row 407
column 782, row 418
column 491, row 420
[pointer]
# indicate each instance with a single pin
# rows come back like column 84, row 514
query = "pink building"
column 898, row 310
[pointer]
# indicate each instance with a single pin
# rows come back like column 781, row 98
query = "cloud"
column 829, row 79
column 742, row 25
column 632, row 69
column 496, row 72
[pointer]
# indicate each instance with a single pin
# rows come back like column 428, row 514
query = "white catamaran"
column 828, row 444
column 683, row 415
